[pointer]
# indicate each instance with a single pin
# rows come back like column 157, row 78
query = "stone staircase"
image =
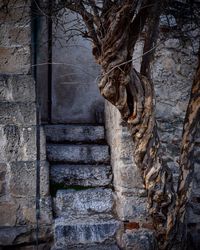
column 81, row 180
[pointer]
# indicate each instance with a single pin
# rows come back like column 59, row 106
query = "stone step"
column 92, row 154
column 94, row 229
column 74, row 133
column 84, row 203
column 81, row 175
column 90, row 247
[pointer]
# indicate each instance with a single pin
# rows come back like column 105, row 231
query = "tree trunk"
column 192, row 120
column 114, row 31
column 132, row 93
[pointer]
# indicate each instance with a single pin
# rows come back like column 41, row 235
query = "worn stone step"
column 74, row 133
column 81, row 175
column 92, row 154
column 94, row 229
column 90, row 247
column 84, row 202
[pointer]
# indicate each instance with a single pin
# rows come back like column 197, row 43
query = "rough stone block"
column 125, row 172
column 14, row 35
column 138, row 240
column 74, row 133
column 23, row 179
column 85, row 202
column 15, row 60
column 126, row 175
column 89, row 231
column 92, row 154
column 197, row 154
column 16, row 13
column 19, row 143
column 3, row 171
column 91, row 247
column 17, row 88
column 9, row 234
column 193, row 213
column 81, row 175
column 2, row 188
column 8, row 213
column 23, row 235
column 131, row 208
column 45, row 246
column 27, row 211
column 103, row 247
column 18, row 113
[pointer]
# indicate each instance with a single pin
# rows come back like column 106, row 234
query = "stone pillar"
column 131, row 197
column 18, row 133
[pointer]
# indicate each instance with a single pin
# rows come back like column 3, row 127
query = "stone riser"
column 75, row 133
column 87, row 154
column 84, row 203
column 89, row 231
column 81, row 175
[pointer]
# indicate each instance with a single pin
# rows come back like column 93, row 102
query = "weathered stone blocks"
column 130, row 196
column 81, row 175
column 19, row 143
column 89, row 231
column 19, row 13
column 78, row 153
column 3, row 171
column 8, row 235
column 18, row 113
column 23, row 235
column 22, row 181
column 18, row 133
column 133, row 207
column 8, row 219
column 17, row 88
column 90, row 247
column 138, row 240
column 84, row 202
column 14, row 35
column 15, row 60
column 74, row 133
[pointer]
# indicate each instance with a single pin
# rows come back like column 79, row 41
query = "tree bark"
column 133, row 95
column 114, row 30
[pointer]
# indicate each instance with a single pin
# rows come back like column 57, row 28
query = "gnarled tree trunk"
column 133, row 95
column 114, row 28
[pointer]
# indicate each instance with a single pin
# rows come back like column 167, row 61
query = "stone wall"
column 18, row 135
column 173, row 70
